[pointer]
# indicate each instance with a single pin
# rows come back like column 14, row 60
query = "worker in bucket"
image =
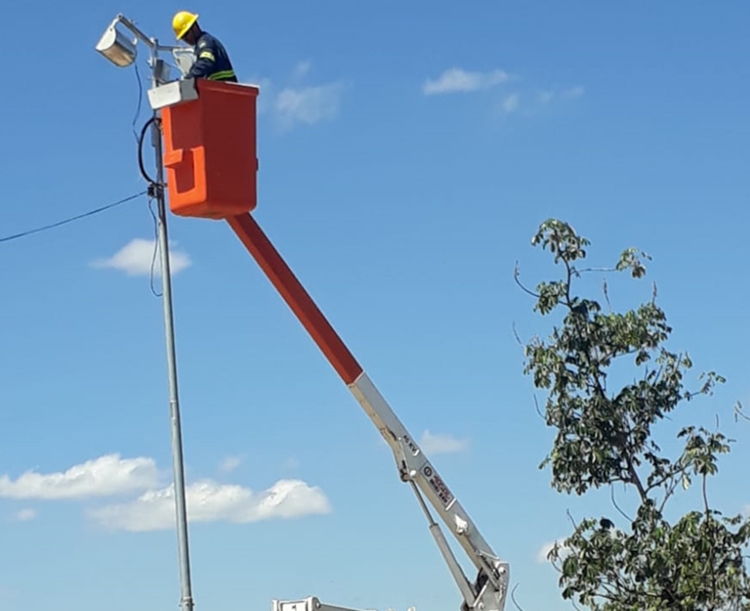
column 212, row 61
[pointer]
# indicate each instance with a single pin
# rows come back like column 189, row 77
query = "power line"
column 139, row 141
column 23, row 234
column 103, row 208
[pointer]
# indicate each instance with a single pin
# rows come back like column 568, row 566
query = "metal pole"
column 186, row 600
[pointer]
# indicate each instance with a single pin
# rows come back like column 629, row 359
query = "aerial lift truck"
column 210, row 156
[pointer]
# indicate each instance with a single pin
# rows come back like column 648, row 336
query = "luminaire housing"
column 117, row 47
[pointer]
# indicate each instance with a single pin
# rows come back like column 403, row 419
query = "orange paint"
column 210, row 151
column 283, row 278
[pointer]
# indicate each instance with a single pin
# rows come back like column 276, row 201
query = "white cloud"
column 511, row 103
column 309, row 104
column 575, row 92
column 265, row 99
column 104, row 476
column 136, row 257
column 25, row 515
column 230, row 463
column 545, row 97
column 302, row 68
column 208, row 501
column 456, row 80
column 8, row 596
column 291, row 463
column 541, row 556
column 442, row 444
column 535, row 102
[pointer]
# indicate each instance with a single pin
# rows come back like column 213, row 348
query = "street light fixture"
column 117, row 47
column 122, row 52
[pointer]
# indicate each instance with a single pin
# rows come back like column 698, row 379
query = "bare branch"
column 739, row 412
column 617, row 507
column 605, row 290
column 513, row 597
column 572, row 520
column 538, row 409
column 671, row 487
column 516, row 275
column 515, row 334
column 605, row 270
column 704, row 491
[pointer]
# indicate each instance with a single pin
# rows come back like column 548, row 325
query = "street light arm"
column 133, row 28
column 172, row 48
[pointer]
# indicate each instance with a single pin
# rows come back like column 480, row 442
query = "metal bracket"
column 170, row 94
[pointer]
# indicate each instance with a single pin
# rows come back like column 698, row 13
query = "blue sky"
column 408, row 154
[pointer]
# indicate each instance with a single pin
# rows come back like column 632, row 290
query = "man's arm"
column 205, row 61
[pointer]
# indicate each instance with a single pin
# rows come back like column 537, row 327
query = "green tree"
column 604, row 436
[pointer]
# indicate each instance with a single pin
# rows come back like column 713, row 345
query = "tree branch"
column 739, row 412
column 572, row 520
column 710, row 563
column 515, row 334
column 670, row 491
column 604, row 270
column 516, row 275
column 513, row 598
column 605, row 290
column 538, row 409
column 635, row 479
column 617, row 507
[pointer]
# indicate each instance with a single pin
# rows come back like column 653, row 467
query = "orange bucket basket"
column 210, row 151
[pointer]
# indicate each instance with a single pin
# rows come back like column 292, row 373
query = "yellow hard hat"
column 182, row 22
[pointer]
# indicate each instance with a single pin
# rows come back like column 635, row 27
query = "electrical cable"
column 153, row 188
column 156, row 247
column 127, row 199
column 140, row 99
column 23, row 234
column 147, row 178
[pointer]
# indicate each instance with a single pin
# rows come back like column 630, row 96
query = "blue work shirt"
column 212, row 60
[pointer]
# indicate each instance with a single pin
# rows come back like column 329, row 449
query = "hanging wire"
column 152, row 183
column 23, row 234
column 140, row 99
column 153, row 186
column 151, row 191
column 138, row 140
column 156, row 247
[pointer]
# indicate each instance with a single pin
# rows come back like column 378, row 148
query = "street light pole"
column 186, row 599
column 122, row 52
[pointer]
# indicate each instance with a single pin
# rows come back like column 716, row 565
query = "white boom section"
column 490, row 591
